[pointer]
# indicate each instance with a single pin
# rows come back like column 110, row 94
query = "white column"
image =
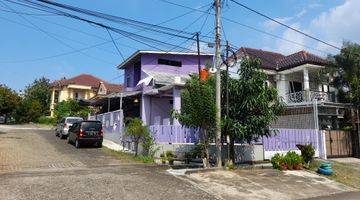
column 176, row 102
column 306, row 84
column 145, row 109
column 282, row 86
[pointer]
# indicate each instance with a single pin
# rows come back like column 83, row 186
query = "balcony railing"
column 303, row 96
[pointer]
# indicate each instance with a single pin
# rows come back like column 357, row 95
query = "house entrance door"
column 338, row 143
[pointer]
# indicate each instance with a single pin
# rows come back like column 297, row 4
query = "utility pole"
column 227, row 97
column 198, row 52
column 217, row 63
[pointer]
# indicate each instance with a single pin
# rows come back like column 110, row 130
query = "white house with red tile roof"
column 83, row 86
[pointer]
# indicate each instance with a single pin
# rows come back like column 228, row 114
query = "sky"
column 35, row 44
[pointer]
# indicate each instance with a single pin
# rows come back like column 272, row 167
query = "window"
column 56, row 96
column 169, row 62
column 76, row 95
column 295, row 86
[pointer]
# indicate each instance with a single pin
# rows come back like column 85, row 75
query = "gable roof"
column 276, row 61
column 86, row 80
column 111, row 88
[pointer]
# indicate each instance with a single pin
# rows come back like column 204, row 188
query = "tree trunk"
column 232, row 148
column 206, row 158
column 136, row 143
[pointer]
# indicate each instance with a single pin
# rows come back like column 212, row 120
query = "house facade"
column 310, row 104
column 81, row 87
column 153, row 81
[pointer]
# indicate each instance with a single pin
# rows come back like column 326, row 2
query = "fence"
column 112, row 124
column 286, row 140
column 174, row 134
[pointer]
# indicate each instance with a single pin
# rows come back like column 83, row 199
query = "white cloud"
column 315, row 5
column 338, row 24
column 271, row 25
column 301, row 13
column 286, row 47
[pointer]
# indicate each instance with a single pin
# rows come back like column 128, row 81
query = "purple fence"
column 174, row 134
column 287, row 139
column 112, row 124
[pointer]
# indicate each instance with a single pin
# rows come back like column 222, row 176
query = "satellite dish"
column 212, row 70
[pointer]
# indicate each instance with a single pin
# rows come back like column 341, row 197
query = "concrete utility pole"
column 217, row 63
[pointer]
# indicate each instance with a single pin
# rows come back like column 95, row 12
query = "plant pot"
column 297, row 166
column 283, row 166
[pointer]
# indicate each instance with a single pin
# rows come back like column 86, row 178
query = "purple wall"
column 149, row 62
column 160, row 110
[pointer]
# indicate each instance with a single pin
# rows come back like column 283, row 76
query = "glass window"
column 91, row 126
column 73, row 120
column 169, row 62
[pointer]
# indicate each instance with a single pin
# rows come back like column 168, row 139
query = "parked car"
column 64, row 124
column 86, row 132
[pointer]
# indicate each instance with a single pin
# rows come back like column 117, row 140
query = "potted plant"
column 276, row 161
column 293, row 160
column 170, row 157
column 162, row 158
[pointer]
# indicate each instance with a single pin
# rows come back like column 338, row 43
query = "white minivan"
column 62, row 127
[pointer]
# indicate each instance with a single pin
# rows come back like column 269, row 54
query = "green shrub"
column 292, row 158
column 46, row 120
column 307, row 153
column 170, row 157
column 276, row 160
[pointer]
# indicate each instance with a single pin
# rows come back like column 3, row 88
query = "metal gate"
column 338, row 143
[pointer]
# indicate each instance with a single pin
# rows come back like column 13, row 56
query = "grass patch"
column 347, row 174
column 128, row 157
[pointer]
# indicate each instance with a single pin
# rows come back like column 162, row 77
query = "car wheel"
column 77, row 143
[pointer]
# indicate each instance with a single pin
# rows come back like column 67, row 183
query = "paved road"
column 34, row 164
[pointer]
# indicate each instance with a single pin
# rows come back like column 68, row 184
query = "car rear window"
column 73, row 120
column 91, row 126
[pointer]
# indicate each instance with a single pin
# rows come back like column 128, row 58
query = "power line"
column 54, row 37
column 82, row 49
column 112, row 39
column 246, row 26
column 285, row 25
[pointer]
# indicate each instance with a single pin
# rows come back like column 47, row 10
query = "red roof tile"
column 87, row 80
column 277, row 61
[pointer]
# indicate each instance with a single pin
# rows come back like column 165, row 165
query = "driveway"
column 267, row 184
column 34, row 164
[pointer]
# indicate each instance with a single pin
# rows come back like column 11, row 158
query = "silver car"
column 62, row 127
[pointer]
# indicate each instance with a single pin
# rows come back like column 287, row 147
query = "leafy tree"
column 198, row 109
column 138, row 132
column 71, row 108
column 9, row 101
column 253, row 106
column 29, row 110
column 348, row 65
column 39, row 90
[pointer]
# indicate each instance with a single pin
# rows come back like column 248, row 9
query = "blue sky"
column 22, row 43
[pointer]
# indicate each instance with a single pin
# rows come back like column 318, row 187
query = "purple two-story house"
column 153, row 81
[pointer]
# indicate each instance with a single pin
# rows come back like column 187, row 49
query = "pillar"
column 282, row 86
column 176, row 102
column 306, row 84
column 145, row 109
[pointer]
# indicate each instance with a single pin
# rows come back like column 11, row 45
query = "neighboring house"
column 294, row 76
column 81, row 87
